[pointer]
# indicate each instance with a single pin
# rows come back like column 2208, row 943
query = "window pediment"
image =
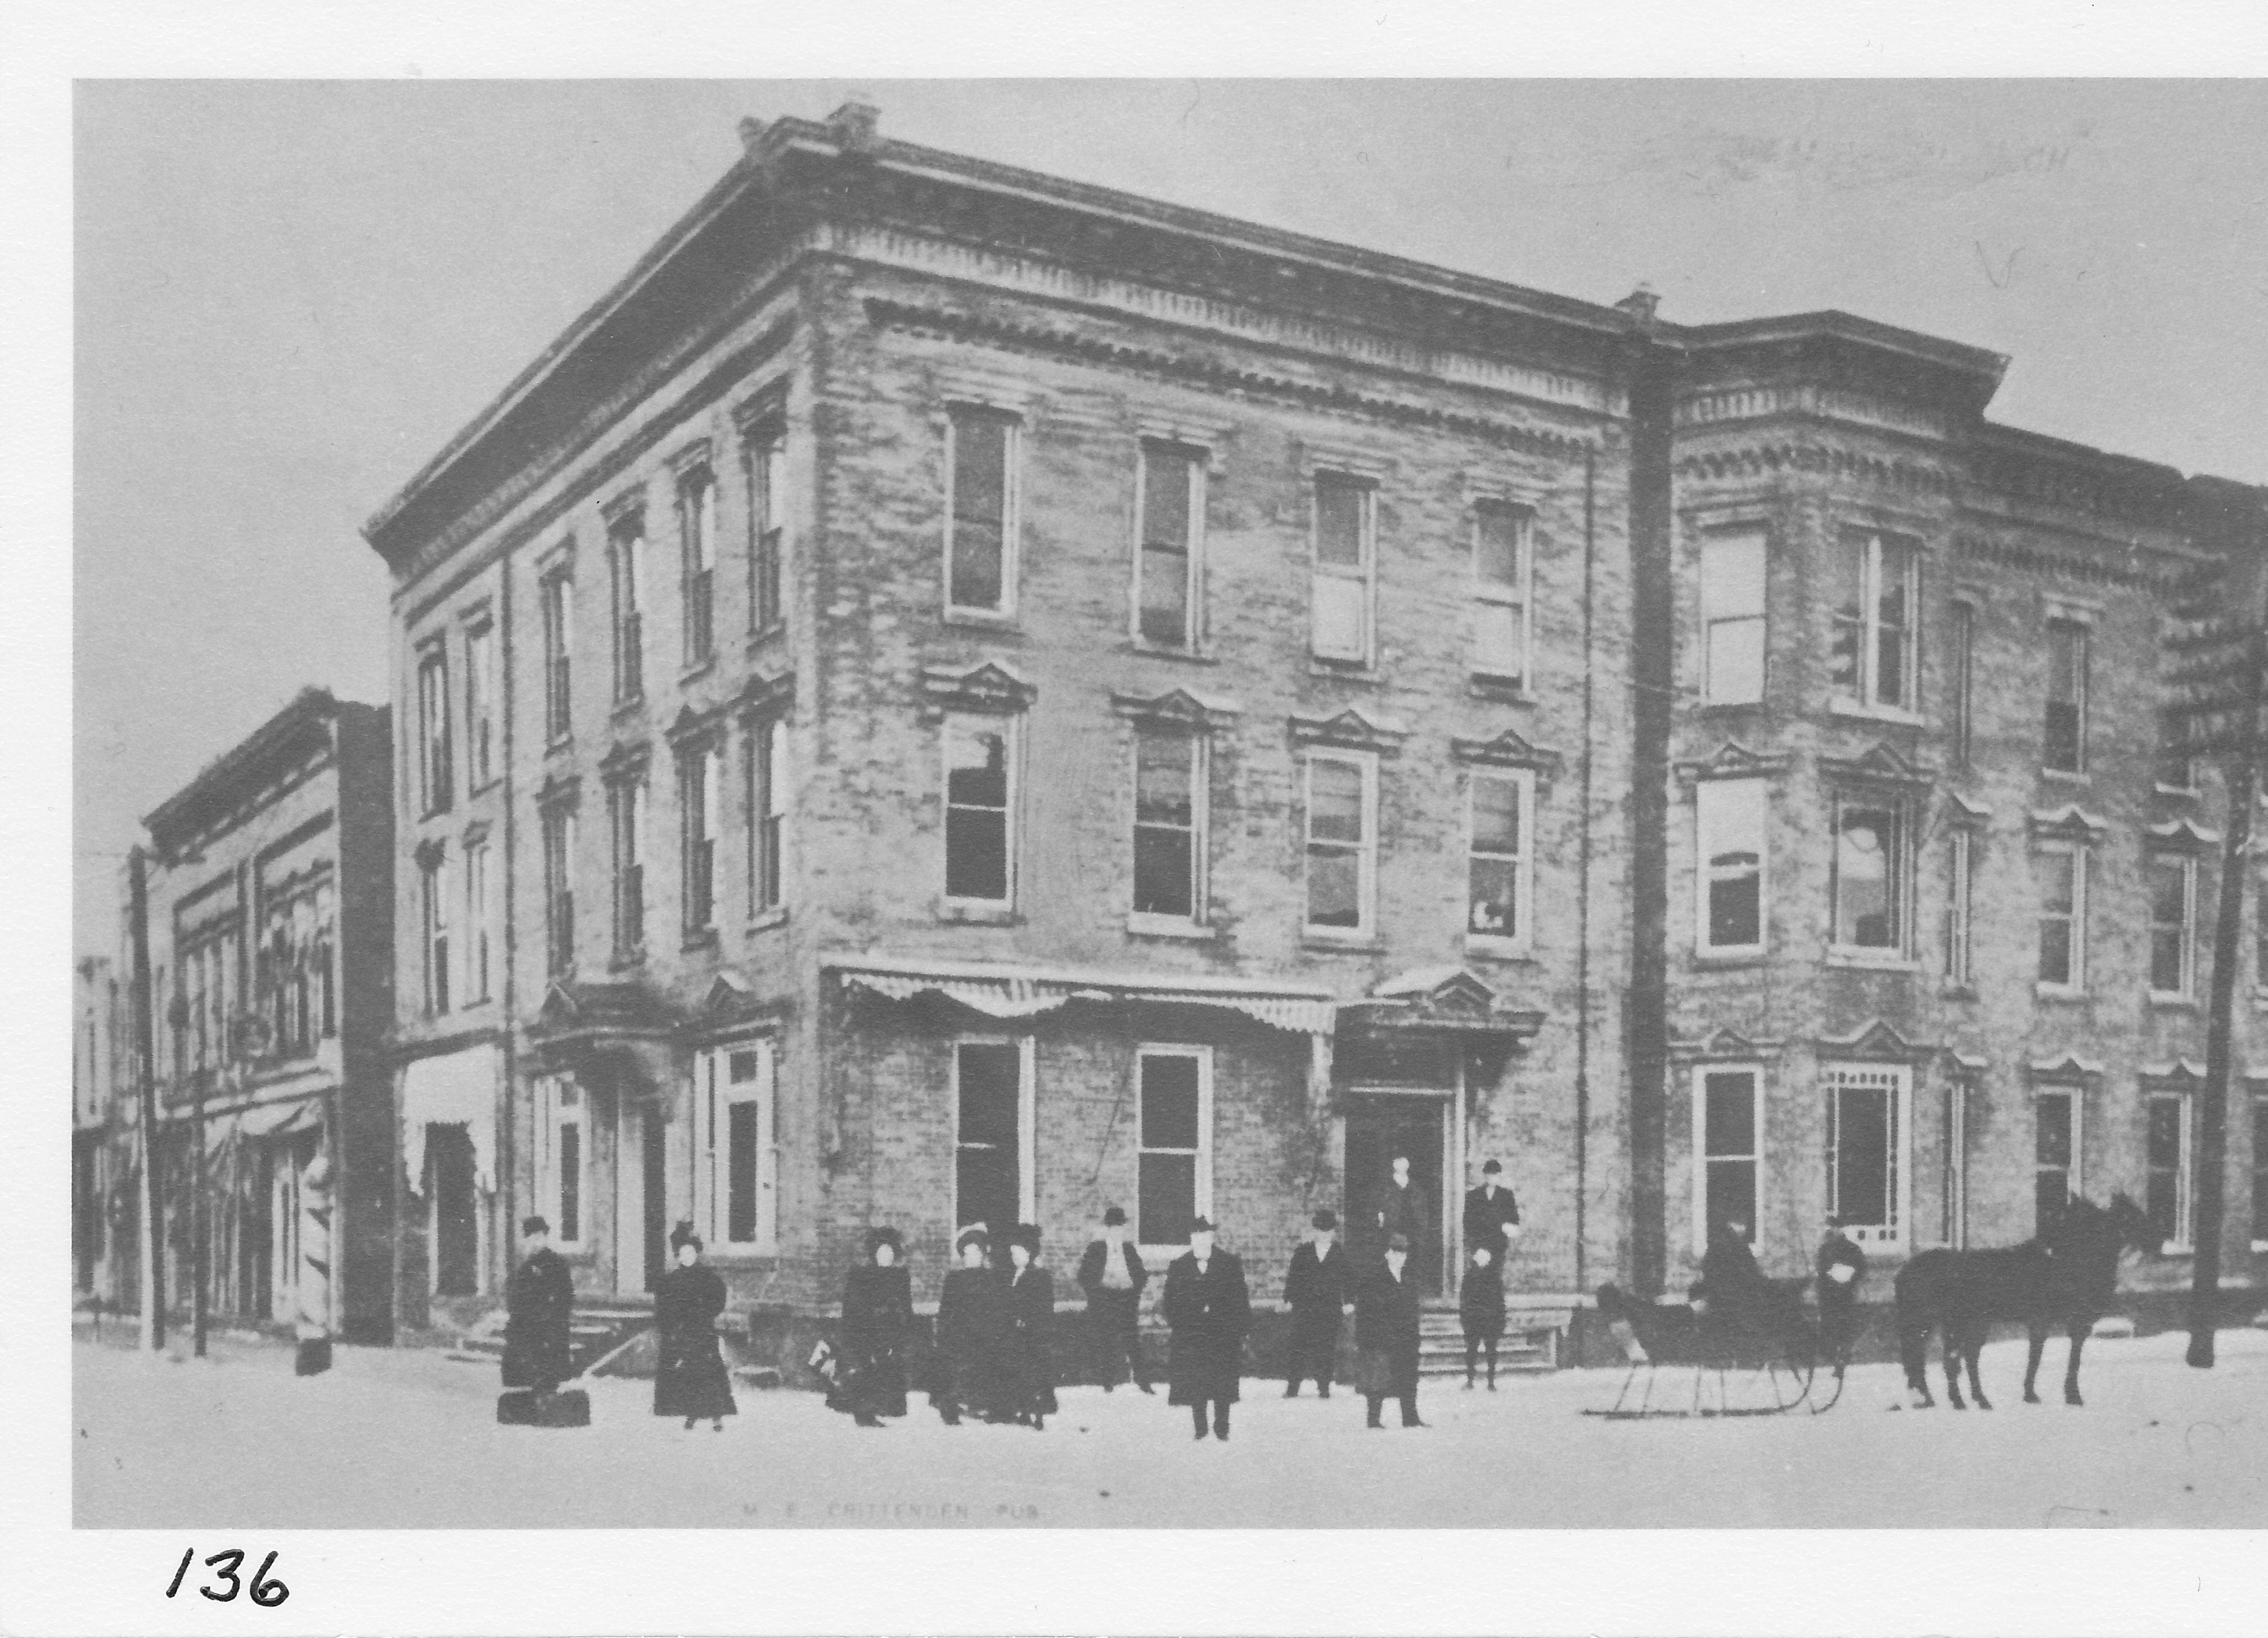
column 2067, row 1068
column 1881, row 764
column 991, row 686
column 1176, row 708
column 2071, row 823
column 1959, row 810
column 560, row 790
column 1727, row 1044
column 2183, row 836
column 1351, row 728
column 625, row 763
column 1733, row 760
column 1507, row 749
column 1875, row 1040
column 765, row 696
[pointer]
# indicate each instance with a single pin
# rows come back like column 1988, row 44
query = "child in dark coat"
column 1480, row 1305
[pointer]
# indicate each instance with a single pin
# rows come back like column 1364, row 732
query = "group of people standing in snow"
column 993, row 1355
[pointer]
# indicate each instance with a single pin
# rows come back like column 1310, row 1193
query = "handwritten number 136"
column 266, row 1593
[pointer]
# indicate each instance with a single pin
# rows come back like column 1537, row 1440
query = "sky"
column 290, row 294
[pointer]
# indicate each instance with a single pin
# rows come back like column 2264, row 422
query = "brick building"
column 953, row 695
column 102, row 1114
column 269, row 919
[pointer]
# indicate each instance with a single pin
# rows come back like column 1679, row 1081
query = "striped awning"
column 1012, row 992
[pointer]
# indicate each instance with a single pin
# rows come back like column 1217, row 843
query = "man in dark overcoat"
column 539, row 1305
column 1317, row 1290
column 1112, row 1275
column 1209, row 1310
column 1491, row 1216
column 1403, row 1209
column 1386, row 1308
column 1841, row 1265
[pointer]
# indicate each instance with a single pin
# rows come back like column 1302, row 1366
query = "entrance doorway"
column 455, row 1226
column 641, row 1199
column 1380, row 1126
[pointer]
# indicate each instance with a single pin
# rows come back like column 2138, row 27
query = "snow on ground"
column 406, row 1438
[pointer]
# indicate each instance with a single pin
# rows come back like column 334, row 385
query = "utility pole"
column 145, row 1055
column 2220, row 639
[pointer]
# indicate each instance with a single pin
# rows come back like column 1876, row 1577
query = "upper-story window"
column 626, row 547
column 479, row 704
column 980, row 809
column 980, row 541
column 1733, row 617
column 1960, row 675
column 559, row 889
column 1498, row 873
column 1342, row 843
column 1346, row 570
column 2173, row 769
column 558, row 598
column 1170, row 824
column 1729, row 890
column 626, row 812
column 2064, row 748
column 1960, row 898
column 1503, row 572
column 2063, row 917
column 696, row 522
column 434, row 876
column 1875, row 581
column 434, row 761
column 766, row 457
column 480, row 922
column 767, row 804
column 703, row 796
column 1872, row 875
column 1169, row 573
column 2173, row 916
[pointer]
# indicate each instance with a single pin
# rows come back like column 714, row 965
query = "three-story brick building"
column 952, row 695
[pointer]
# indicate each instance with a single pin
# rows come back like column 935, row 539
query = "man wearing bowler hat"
column 1112, row 1275
column 1491, row 1216
column 1209, row 1310
column 1386, row 1333
column 1316, row 1290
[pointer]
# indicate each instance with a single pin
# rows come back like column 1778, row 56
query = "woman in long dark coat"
column 1030, row 1384
column 972, row 1335
column 878, row 1317
column 690, row 1378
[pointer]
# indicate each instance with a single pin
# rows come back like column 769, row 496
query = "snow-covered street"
column 408, row 1438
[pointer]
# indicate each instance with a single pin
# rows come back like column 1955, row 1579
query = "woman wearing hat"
column 690, row 1379
column 1210, row 1309
column 1030, row 1384
column 878, row 1315
column 972, row 1334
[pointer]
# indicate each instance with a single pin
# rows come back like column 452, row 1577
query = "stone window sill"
column 1343, row 670
column 634, row 705
column 2065, row 776
column 2180, row 793
column 1159, row 650
column 983, row 619
column 699, row 939
column 1351, row 944
column 1510, row 690
column 625, row 961
column 700, row 667
column 1485, row 947
column 1957, row 991
column 564, row 742
column 764, row 921
column 1868, row 961
column 1141, row 926
column 978, row 914
column 1729, row 958
column 2174, row 1003
column 1896, row 714
column 2058, row 991
column 763, row 635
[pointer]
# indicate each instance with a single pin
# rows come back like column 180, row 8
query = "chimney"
column 1639, row 305
column 853, row 127
column 752, row 132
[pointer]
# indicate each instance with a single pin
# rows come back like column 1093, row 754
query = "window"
column 480, row 705
column 559, row 888
column 1874, row 580
column 2063, row 918
column 1497, row 876
column 480, row 922
column 1961, row 665
column 1730, row 826
column 1727, row 1133
column 2167, row 1193
column 2260, row 935
column 1341, row 841
column 1169, row 826
column 767, row 813
column 980, row 781
column 558, row 633
column 1174, row 1181
column 1872, row 881
column 626, row 811
column 2173, row 769
column 1345, row 547
column 2259, row 1172
column 2173, row 906
column 626, row 541
column 766, row 457
column 2064, row 750
column 736, row 1159
column 293, row 973
column 1953, row 1184
column 980, row 542
column 1502, row 562
column 433, row 759
column 435, row 878
column 2055, row 1157
column 696, row 522
column 992, row 1122
column 562, row 1175
column 1960, row 897
column 704, row 776
column 1865, row 1143
column 1167, row 566
column 1733, row 619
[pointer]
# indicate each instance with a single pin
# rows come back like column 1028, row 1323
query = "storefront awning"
column 450, row 1089
column 1012, row 992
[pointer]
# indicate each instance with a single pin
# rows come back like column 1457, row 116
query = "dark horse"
column 2068, row 1276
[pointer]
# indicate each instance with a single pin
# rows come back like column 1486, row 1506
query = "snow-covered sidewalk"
column 408, row 1438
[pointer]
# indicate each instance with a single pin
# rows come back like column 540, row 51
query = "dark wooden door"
column 656, row 1200
column 1379, row 1127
